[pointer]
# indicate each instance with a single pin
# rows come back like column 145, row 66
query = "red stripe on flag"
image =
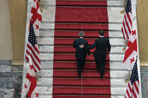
column 32, row 49
column 36, row 64
column 129, row 18
column 125, row 31
column 136, row 87
column 127, row 26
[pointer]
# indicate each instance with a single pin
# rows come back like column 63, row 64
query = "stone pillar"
column 142, row 14
column 18, row 11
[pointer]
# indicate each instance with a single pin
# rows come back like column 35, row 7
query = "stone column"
column 142, row 14
column 18, row 11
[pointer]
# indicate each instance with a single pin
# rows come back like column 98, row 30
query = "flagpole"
column 134, row 6
column 26, row 40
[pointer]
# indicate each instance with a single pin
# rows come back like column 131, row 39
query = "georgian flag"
column 131, row 50
column 30, row 83
column 36, row 16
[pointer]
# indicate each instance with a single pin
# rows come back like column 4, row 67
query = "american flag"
column 127, row 21
column 133, row 85
column 32, row 50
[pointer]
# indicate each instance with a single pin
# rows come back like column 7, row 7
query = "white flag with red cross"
column 36, row 16
column 30, row 83
column 131, row 51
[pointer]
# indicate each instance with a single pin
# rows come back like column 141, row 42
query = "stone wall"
column 144, row 81
column 5, row 31
column 10, row 80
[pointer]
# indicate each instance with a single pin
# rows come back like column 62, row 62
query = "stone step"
column 79, row 26
column 77, row 96
column 115, row 74
column 69, row 41
column 114, row 65
column 118, row 91
column 70, row 49
column 75, row 81
column 68, row 28
column 71, row 57
column 89, row 13
column 78, row 3
column 74, row 34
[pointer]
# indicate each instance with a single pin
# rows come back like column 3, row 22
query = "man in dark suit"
column 102, row 45
column 80, row 53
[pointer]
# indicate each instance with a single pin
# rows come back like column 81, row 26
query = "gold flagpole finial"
column 128, row 78
column 41, row 10
column 122, row 11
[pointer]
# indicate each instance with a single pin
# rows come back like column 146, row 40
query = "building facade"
column 12, row 40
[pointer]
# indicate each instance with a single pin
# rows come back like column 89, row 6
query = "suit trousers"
column 100, row 62
column 80, row 65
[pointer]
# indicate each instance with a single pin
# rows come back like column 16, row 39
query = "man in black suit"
column 102, row 45
column 80, row 53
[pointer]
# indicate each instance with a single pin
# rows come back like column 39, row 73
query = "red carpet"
column 73, row 16
column 72, row 65
column 71, row 34
column 69, row 41
column 81, row 96
column 71, row 57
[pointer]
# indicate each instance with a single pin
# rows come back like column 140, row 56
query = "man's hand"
column 81, row 46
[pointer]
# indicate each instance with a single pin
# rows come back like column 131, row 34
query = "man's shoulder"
column 97, row 39
column 81, row 40
column 85, row 41
column 104, row 38
column 76, row 39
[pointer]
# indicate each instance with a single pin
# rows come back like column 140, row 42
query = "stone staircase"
column 62, row 20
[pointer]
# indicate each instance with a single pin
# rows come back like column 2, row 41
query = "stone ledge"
column 5, row 68
column 144, row 83
column 5, row 62
column 18, row 68
column 144, row 69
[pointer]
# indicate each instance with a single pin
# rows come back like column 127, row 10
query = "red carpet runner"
column 72, row 17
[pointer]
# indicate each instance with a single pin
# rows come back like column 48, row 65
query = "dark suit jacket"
column 80, row 52
column 101, row 44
